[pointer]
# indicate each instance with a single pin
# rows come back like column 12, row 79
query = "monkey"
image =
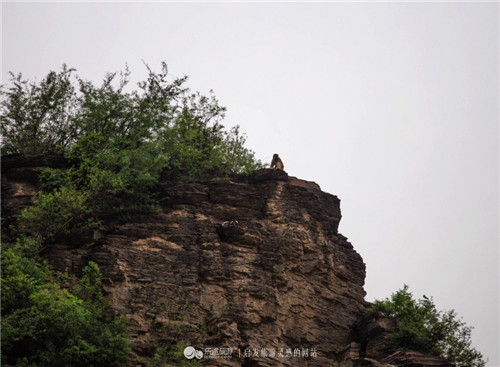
column 277, row 163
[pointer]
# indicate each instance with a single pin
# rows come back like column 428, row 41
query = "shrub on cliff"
column 46, row 325
column 421, row 327
column 183, row 129
column 38, row 117
column 58, row 212
column 118, row 143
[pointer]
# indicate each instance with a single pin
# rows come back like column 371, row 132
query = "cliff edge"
column 255, row 264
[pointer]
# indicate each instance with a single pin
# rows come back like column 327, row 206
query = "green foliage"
column 57, row 213
column 421, row 327
column 89, row 287
column 237, row 158
column 118, row 181
column 45, row 325
column 118, row 143
column 38, row 118
column 181, row 127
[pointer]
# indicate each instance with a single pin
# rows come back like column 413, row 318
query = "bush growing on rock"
column 118, row 143
column 421, row 327
column 44, row 324
column 72, row 116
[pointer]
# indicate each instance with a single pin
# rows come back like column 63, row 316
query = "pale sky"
column 393, row 107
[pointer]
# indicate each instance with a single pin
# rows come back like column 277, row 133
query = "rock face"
column 234, row 264
column 255, row 264
column 375, row 330
column 20, row 180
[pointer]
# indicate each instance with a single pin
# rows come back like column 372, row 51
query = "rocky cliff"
column 255, row 264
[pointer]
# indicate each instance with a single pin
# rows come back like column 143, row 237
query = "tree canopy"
column 46, row 325
column 118, row 140
column 66, row 114
column 421, row 327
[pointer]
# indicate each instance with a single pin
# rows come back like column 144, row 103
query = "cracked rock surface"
column 249, row 263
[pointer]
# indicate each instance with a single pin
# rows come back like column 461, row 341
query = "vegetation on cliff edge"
column 45, row 325
column 118, row 144
column 421, row 327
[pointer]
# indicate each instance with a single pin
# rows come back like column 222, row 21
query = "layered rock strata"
column 252, row 266
column 250, row 263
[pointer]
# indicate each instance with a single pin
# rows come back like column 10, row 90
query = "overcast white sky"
column 393, row 107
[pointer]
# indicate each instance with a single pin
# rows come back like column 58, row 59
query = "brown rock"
column 20, row 183
column 415, row 359
column 375, row 331
column 268, row 174
column 254, row 262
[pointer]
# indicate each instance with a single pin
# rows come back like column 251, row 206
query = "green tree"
column 421, row 327
column 65, row 113
column 39, row 118
column 118, row 143
column 58, row 212
column 46, row 325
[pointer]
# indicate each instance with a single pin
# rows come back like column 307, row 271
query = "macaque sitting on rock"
column 277, row 163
